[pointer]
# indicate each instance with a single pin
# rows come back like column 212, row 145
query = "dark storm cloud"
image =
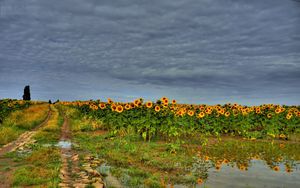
column 196, row 51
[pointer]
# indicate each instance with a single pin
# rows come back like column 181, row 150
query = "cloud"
column 192, row 50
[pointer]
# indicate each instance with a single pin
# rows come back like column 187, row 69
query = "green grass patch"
column 42, row 168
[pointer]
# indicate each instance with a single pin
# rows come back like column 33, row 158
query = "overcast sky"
column 196, row 51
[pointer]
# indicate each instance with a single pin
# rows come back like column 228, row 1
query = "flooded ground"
column 226, row 162
column 258, row 174
column 250, row 164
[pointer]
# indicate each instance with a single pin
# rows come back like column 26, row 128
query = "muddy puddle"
column 64, row 144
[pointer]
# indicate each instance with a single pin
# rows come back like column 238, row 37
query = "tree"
column 26, row 95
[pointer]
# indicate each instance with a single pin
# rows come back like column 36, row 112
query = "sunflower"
column 277, row 111
column 149, row 104
column 235, row 112
column 157, row 109
column 227, row 114
column 132, row 105
column 164, row 98
column 201, row 115
column 102, row 106
column 127, row 107
column 191, row 113
column 269, row 115
column 258, row 110
column 180, row 113
column 174, row 101
column 137, row 102
column 119, row 108
column 289, row 116
column 113, row 107
column 109, row 100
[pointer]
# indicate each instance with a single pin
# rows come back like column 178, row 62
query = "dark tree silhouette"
column 26, row 95
column 50, row 102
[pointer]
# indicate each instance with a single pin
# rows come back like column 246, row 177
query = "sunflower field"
column 167, row 119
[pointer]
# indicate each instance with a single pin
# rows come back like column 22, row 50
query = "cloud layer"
column 196, row 51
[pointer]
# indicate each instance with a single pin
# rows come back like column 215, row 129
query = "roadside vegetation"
column 22, row 120
column 39, row 161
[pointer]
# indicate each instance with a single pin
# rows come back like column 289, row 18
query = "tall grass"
column 20, row 121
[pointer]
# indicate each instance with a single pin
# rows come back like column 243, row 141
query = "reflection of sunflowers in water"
column 149, row 104
column 218, row 166
column 276, row 168
column 119, row 108
column 157, row 108
column 225, row 161
column 242, row 168
column 199, row 181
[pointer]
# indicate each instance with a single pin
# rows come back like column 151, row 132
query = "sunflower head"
column 157, row 108
column 191, row 113
column 199, row 181
column 119, row 108
column 149, row 104
column 102, row 106
column 201, row 115
column 137, row 102
column 227, row 114
column 276, row 168
column 113, row 107
column 109, row 101
column 289, row 116
column 127, row 106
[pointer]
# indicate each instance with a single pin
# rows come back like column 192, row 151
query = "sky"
column 195, row 51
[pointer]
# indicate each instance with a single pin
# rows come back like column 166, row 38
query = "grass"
column 50, row 133
column 20, row 121
column 79, row 122
column 41, row 167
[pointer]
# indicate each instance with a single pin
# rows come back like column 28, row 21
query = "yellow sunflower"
column 119, row 108
column 149, row 104
column 157, row 108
